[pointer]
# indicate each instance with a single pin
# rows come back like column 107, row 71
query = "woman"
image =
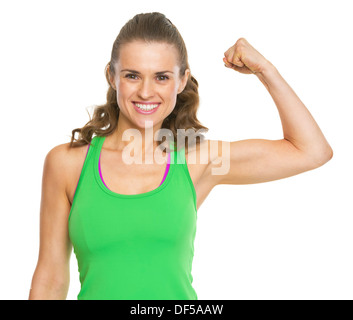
column 132, row 222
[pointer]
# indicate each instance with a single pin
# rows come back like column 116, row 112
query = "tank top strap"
column 182, row 167
column 177, row 156
column 86, row 169
column 95, row 141
column 90, row 155
column 96, row 144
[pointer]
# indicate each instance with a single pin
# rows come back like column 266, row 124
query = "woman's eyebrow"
column 134, row 71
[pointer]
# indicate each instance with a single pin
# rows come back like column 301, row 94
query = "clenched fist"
column 244, row 58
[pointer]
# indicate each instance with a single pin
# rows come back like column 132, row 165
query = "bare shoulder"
column 65, row 158
column 200, row 156
column 199, row 159
column 66, row 163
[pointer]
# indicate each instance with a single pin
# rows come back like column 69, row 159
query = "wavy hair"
column 149, row 27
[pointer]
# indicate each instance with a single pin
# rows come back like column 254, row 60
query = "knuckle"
column 241, row 42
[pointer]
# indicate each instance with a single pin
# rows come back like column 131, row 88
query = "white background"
column 286, row 239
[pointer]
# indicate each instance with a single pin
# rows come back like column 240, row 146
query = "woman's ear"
column 111, row 79
column 184, row 81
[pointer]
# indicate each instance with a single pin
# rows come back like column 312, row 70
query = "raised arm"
column 303, row 147
column 51, row 277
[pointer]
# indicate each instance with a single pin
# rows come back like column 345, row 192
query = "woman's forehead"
column 156, row 45
column 142, row 56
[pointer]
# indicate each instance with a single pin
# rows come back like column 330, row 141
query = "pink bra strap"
column 167, row 169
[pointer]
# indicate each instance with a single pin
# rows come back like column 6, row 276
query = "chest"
column 130, row 179
column 132, row 224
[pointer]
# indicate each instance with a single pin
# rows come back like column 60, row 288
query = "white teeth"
column 146, row 107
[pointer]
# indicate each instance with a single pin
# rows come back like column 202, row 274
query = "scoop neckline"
column 166, row 181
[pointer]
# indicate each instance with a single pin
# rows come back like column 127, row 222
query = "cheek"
column 171, row 102
column 124, row 92
column 124, row 88
column 170, row 92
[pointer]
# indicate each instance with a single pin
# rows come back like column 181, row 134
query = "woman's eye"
column 165, row 77
column 130, row 74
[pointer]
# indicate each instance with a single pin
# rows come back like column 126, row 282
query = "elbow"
column 323, row 157
column 48, row 290
column 330, row 154
column 327, row 155
column 47, row 286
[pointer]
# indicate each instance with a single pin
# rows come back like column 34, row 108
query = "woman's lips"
column 142, row 102
column 146, row 112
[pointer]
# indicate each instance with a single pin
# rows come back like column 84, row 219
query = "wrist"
column 267, row 74
column 266, row 69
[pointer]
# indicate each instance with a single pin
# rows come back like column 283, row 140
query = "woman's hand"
column 244, row 58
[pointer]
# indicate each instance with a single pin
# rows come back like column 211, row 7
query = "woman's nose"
column 146, row 89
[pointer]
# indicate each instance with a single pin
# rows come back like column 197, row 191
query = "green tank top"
column 134, row 247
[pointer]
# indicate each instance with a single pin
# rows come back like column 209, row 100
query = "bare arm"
column 51, row 277
column 299, row 126
column 303, row 147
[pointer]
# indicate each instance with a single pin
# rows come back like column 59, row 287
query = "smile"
column 146, row 108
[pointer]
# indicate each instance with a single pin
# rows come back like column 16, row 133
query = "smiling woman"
column 132, row 226
column 132, row 234
column 143, row 42
column 143, row 90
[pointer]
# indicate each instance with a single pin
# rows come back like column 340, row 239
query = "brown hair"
column 149, row 27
